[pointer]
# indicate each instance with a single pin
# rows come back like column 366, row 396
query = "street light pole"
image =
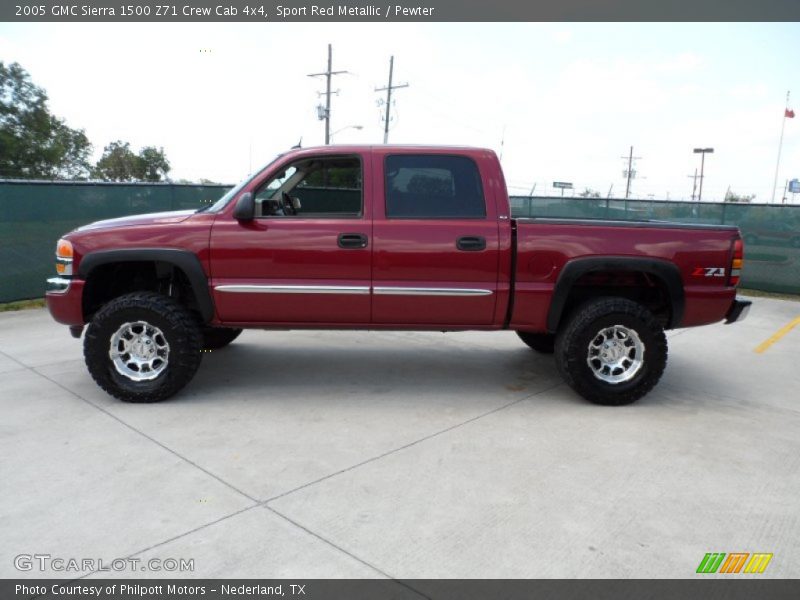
column 702, row 152
column 343, row 128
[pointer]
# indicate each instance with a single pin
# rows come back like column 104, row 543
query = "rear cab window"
column 429, row 186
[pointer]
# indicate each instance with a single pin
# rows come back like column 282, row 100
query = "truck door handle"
column 352, row 240
column 471, row 243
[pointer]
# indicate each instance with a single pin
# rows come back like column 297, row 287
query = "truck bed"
column 695, row 256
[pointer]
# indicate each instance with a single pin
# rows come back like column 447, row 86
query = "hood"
column 160, row 218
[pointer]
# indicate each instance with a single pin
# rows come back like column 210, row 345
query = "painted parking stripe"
column 765, row 345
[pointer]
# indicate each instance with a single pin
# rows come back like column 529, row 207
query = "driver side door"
column 306, row 257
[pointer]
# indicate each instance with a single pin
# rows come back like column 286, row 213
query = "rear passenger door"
column 435, row 251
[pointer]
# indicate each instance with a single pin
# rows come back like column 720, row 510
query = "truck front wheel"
column 612, row 351
column 142, row 347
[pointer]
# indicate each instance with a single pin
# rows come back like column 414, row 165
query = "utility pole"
column 629, row 173
column 325, row 114
column 388, row 89
column 694, row 183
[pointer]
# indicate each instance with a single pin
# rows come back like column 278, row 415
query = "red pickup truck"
column 387, row 237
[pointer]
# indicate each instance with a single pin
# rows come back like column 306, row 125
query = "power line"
column 388, row 89
column 325, row 113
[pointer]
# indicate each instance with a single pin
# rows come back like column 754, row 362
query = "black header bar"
column 408, row 10
column 733, row 588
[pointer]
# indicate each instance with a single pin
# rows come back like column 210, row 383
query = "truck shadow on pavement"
column 305, row 370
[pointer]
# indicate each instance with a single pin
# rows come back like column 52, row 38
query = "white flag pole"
column 780, row 146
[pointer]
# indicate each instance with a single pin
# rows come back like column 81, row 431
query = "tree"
column 738, row 198
column 153, row 163
column 589, row 193
column 34, row 144
column 119, row 163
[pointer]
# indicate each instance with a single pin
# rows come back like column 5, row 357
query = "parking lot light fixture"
column 702, row 152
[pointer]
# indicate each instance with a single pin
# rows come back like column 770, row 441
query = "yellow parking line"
column 764, row 346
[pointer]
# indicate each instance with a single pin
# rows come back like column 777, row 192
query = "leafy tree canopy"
column 119, row 163
column 35, row 144
column 731, row 196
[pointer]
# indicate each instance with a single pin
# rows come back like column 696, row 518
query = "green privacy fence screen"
column 33, row 215
column 771, row 232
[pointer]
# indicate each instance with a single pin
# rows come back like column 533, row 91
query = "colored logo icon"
column 735, row 562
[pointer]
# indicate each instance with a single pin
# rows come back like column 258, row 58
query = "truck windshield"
column 222, row 202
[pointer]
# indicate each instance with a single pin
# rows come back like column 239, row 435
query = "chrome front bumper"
column 57, row 285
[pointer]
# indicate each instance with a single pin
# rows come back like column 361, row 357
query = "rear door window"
column 433, row 187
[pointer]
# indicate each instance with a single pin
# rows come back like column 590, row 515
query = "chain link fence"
column 771, row 231
column 33, row 215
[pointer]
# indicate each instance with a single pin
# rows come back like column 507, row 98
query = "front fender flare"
column 183, row 259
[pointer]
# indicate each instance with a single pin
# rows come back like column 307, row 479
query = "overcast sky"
column 567, row 99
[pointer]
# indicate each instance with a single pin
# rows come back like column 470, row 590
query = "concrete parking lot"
column 408, row 455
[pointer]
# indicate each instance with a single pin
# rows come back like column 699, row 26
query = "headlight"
column 64, row 254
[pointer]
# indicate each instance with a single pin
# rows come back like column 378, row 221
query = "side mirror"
column 245, row 209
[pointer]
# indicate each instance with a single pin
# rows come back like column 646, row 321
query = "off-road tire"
column 179, row 328
column 541, row 342
column 215, row 338
column 583, row 326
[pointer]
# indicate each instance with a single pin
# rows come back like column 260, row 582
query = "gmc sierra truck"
column 387, row 237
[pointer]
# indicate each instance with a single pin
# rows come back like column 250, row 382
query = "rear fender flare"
column 574, row 269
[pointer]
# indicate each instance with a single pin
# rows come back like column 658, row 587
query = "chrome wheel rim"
column 139, row 351
column 615, row 354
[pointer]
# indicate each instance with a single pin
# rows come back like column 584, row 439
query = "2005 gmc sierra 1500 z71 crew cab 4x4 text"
column 387, row 237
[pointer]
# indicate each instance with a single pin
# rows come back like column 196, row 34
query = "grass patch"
column 22, row 305
column 762, row 294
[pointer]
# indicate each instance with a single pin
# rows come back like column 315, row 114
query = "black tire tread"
column 568, row 355
column 185, row 346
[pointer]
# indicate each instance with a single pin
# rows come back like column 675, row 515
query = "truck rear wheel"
column 215, row 338
column 541, row 342
column 612, row 351
column 142, row 347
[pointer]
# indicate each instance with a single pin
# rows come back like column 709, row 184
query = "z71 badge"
column 709, row 272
